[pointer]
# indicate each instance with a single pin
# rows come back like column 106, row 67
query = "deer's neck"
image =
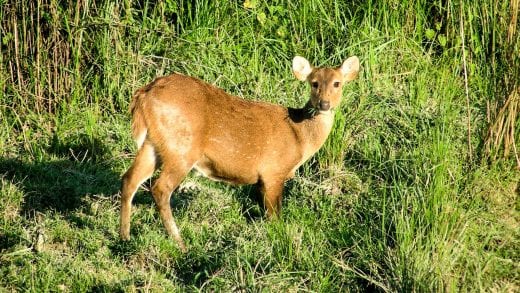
column 312, row 127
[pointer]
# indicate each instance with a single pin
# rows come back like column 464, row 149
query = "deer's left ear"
column 350, row 68
column 301, row 68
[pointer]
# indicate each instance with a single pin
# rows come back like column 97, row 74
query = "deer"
column 182, row 123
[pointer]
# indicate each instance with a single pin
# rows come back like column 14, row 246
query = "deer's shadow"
column 62, row 184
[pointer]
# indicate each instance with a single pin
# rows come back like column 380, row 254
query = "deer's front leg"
column 271, row 191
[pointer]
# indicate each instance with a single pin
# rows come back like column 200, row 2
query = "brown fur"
column 187, row 124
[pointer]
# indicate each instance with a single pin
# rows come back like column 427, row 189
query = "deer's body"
column 185, row 123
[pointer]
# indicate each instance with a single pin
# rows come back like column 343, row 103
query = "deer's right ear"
column 350, row 68
column 301, row 68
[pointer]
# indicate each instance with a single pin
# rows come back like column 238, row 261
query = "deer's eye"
column 336, row 84
column 314, row 84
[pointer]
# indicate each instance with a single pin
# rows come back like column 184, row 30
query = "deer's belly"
column 231, row 172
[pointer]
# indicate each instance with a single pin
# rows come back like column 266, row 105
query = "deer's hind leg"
column 176, row 166
column 142, row 168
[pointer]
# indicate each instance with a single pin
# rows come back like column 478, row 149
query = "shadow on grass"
column 248, row 196
column 251, row 203
column 62, row 184
column 194, row 268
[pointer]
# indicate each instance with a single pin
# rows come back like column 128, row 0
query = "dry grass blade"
column 515, row 6
column 466, row 87
column 502, row 131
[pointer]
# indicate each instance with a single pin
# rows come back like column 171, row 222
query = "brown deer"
column 183, row 123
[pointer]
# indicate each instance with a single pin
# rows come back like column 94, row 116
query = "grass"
column 408, row 193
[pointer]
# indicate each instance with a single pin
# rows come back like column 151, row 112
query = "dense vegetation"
column 416, row 189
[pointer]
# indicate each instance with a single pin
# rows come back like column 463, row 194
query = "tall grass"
column 57, row 55
column 413, row 191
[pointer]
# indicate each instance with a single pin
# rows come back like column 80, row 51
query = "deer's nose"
column 324, row 105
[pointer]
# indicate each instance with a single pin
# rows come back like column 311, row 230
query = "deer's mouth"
column 323, row 105
column 319, row 106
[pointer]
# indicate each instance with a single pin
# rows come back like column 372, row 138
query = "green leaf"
column 250, row 4
column 430, row 34
column 281, row 31
column 261, row 17
column 7, row 37
column 442, row 40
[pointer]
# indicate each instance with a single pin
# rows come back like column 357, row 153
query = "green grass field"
column 416, row 189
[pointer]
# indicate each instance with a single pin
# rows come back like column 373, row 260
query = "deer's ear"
column 350, row 68
column 301, row 68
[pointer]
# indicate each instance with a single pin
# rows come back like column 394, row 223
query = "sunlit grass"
column 394, row 201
